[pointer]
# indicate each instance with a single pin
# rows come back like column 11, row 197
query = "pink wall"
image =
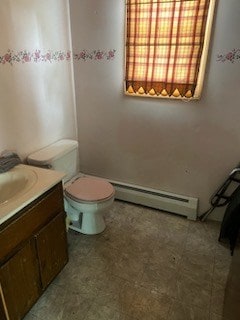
column 37, row 103
column 184, row 148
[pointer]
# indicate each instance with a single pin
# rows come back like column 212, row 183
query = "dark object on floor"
column 222, row 197
column 231, row 222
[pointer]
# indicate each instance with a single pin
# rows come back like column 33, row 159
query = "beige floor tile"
column 197, row 262
column 124, row 214
column 116, row 294
column 148, row 305
column 217, row 299
column 180, row 311
column 116, row 237
column 198, row 245
column 80, row 244
column 207, row 230
column 197, row 267
column 161, row 279
column 200, row 240
column 30, row 316
column 214, row 316
column 142, row 246
column 192, row 292
column 127, row 317
column 128, row 266
column 78, row 278
column 221, row 269
column 100, row 312
column 60, row 304
column 174, row 239
column 166, row 256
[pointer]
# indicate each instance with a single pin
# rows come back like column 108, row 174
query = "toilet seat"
column 89, row 190
column 85, row 202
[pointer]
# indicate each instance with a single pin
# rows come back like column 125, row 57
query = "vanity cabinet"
column 33, row 250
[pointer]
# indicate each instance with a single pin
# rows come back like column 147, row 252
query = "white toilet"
column 85, row 198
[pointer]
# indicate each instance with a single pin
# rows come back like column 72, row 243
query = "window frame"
column 202, row 66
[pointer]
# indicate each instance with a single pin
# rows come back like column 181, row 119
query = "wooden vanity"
column 33, row 250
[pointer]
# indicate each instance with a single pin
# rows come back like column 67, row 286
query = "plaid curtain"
column 164, row 41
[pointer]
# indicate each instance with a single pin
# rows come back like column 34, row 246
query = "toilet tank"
column 61, row 156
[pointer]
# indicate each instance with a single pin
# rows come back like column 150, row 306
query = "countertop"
column 46, row 179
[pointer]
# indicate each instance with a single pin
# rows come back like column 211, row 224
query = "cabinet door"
column 19, row 278
column 52, row 248
column 3, row 308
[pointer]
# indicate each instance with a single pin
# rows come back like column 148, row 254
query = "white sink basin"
column 22, row 185
column 16, row 182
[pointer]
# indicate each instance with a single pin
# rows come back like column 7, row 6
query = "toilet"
column 85, row 198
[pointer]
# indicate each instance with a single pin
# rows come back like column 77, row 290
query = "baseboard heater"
column 182, row 205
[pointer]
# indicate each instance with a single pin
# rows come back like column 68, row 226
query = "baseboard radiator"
column 182, row 205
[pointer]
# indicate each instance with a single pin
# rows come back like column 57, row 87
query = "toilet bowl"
column 85, row 201
column 85, row 198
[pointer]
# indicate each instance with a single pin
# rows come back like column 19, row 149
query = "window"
column 166, row 47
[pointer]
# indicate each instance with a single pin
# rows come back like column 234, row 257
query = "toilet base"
column 89, row 223
column 87, row 218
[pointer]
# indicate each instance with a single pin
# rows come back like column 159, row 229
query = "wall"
column 184, row 148
column 37, row 104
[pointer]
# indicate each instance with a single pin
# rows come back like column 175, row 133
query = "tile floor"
column 146, row 265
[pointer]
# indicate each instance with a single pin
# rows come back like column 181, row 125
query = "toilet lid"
column 90, row 189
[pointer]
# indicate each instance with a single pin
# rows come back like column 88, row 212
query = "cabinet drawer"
column 31, row 220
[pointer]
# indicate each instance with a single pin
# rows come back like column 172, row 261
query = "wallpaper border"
column 25, row 56
column 231, row 56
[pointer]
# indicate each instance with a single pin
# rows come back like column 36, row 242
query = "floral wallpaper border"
column 95, row 55
column 230, row 56
column 36, row 56
column 25, row 56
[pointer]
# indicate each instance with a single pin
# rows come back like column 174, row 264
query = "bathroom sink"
column 22, row 185
column 16, row 182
